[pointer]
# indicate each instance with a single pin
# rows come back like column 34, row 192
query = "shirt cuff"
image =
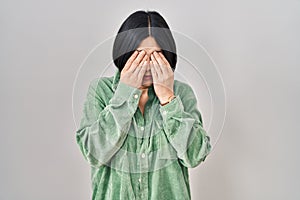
column 174, row 107
column 127, row 93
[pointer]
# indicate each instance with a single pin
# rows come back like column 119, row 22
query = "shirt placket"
column 143, row 179
column 143, row 158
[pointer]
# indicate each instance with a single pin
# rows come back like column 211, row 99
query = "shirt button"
column 142, row 128
column 143, row 155
column 140, row 180
column 136, row 96
column 164, row 112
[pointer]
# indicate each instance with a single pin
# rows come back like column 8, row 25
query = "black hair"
column 138, row 26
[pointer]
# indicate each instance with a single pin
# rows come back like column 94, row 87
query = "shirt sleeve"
column 182, row 124
column 103, row 128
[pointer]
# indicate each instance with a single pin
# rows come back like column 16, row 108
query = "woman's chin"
column 147, row 83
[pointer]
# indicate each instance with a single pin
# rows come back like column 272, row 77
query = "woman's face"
column 149, row 45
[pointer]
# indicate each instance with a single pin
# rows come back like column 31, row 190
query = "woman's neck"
column 144, row 90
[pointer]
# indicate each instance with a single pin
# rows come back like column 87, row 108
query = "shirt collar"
column 116, row 79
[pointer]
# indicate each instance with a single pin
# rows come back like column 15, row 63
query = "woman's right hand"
column 134, row 70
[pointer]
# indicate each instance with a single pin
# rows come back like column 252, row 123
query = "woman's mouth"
column 148, row 77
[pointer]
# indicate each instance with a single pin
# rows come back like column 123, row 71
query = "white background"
column 255, row 44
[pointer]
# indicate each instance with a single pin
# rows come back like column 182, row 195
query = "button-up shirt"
column 135, row 155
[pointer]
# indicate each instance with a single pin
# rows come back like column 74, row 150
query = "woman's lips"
column 148, row 77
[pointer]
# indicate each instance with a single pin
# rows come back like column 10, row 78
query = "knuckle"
column 135, row 62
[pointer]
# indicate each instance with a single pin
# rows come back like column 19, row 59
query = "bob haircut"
column 137, row 27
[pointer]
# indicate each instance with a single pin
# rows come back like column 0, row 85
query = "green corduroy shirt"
column 140, row 156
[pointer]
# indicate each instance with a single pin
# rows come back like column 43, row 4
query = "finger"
column 161, row 62
column 153, row 71
column 137, row 62
column 138, row 68
column 130, row 60
column 156, row 67
column 142, row 70
column 159, row 59
column 164, row 59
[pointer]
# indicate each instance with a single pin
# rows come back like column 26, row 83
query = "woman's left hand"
column 162, row 76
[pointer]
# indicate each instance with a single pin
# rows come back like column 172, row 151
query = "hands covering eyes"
column 161, row 71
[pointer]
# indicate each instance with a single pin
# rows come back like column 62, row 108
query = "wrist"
column 169, row 99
